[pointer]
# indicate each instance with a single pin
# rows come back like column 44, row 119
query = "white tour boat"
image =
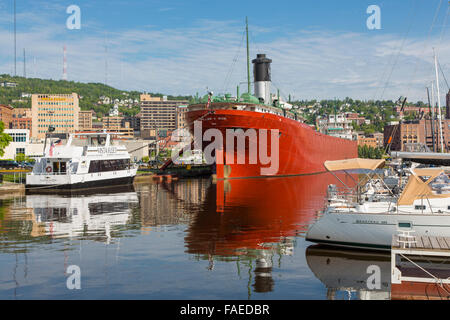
column 86, row 160
column 369, row 219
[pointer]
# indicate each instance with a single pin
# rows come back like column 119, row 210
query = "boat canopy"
column 425, row 183
column 352, row 164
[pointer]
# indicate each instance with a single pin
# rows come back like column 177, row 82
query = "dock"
column 420, row 267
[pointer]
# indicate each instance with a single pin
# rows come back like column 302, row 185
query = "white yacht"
column 368, row 216
column 86, row 160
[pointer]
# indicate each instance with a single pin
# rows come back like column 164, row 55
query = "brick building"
column 6, row 115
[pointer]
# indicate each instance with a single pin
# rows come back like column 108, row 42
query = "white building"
column 21, row 144
column 336, row 125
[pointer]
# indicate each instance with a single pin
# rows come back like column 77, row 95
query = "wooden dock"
column 416, row 276
column 438, row 245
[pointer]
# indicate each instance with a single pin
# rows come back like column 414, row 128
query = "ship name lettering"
column 370, row 222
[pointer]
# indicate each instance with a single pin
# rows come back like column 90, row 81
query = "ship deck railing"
column 350, row 199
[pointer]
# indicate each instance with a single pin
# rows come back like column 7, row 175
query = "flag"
column 51, row 149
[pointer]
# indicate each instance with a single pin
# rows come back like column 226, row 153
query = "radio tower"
column 15, row 41
column 64, row 77
column 24, row 64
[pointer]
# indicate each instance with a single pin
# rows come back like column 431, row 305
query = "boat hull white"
column 79, row 181
column 374, row 231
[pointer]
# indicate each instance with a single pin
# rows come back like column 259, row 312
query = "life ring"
column 48, row 169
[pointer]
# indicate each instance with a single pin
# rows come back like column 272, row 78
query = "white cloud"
column 307, row 64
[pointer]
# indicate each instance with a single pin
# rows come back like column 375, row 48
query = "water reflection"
column 62, row 216
column 346, row 273
column 170, row 203
column 252, row 225
column 252, row 221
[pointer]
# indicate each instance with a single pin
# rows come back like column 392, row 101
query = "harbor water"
column 187, row 239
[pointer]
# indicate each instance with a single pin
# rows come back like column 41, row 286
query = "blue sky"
column 320, row 49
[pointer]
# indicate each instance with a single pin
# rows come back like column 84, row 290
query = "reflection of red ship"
column 301, row 150
column 253, row 219
column 254, row 213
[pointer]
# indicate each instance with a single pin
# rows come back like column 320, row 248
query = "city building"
column 355, row 117
column 114, row 124
column 181, row 116
column 411, row 110
column 416, row 134
column 61, row 111
column 336, row 125
column 97, row 126
column 6, row 115
column 134, row 122
column 85, row 120
column 22, row 119
column 21, row 144
column 158, row 114
column 7, row 84
column 368, row 141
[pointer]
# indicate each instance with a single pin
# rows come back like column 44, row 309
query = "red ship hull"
column 302, row 150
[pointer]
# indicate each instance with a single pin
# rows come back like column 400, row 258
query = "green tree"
column 5, row 139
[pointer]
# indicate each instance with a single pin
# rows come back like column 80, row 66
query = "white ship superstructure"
column 87, row 159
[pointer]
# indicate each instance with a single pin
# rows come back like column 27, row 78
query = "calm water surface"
column 190, row 239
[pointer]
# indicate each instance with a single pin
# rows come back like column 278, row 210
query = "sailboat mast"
column 439, row 103
column 248, row 56
column 431, row 118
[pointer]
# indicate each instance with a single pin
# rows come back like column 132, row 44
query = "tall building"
column 181, row 116
column 6, row 115
column 159, row 113
column 60, row 111
column 85, row 120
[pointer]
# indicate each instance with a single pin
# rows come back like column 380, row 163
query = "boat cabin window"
column 59, row 167
column 109, row 165
column 405, row 225
column 97, row 141
column 420, row 207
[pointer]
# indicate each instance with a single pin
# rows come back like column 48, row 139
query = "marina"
column 215, row 160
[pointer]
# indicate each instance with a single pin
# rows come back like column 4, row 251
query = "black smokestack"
column 261, row 68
